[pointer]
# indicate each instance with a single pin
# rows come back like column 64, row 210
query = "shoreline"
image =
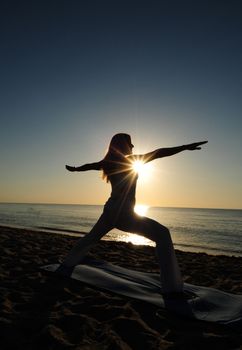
column 79, row 234
column 40, row 311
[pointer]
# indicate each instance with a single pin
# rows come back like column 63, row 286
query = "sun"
column 138, row 166
column 142, row 169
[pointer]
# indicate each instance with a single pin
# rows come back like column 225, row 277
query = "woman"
column 119, row 209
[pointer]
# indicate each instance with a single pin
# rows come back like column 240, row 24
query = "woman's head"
column 120, row 145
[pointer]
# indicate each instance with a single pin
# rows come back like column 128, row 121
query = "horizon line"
column 85, row 204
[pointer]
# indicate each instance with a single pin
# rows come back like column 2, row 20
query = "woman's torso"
column 123, row 181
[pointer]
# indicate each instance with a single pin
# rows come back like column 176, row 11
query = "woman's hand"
column 70, row 168
column 195, row 146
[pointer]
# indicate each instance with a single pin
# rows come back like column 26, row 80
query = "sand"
column 42, row 311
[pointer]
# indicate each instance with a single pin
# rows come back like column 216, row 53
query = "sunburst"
column 144, row 170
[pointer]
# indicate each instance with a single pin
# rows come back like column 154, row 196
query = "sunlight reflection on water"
column 141, row 209
column 129, row 238
column 133, row 238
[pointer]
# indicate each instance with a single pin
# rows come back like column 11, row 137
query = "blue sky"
column 73, row 73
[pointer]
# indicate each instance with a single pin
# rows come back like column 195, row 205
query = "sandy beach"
column 42, row 311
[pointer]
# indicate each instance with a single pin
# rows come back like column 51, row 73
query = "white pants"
column 127, row 220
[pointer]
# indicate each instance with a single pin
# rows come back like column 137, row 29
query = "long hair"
column 114, row 157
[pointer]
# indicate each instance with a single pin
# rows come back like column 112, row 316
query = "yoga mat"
column 205, row 304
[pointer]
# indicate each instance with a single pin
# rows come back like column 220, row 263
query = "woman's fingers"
column 202, row 142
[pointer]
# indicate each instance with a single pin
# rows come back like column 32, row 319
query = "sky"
column 74, row 73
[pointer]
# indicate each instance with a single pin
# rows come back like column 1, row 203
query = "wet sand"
column 42, row 311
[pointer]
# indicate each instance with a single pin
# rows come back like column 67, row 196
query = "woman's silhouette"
column 117, row 167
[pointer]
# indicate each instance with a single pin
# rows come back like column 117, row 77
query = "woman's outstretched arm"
column 166, row 152
column 85, row 167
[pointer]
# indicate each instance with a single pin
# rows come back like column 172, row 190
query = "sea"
column 211, row 231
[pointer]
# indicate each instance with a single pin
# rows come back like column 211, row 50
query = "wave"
column 58, row 229
column 202, row 248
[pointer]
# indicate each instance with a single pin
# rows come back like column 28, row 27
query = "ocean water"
column 213, row 231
